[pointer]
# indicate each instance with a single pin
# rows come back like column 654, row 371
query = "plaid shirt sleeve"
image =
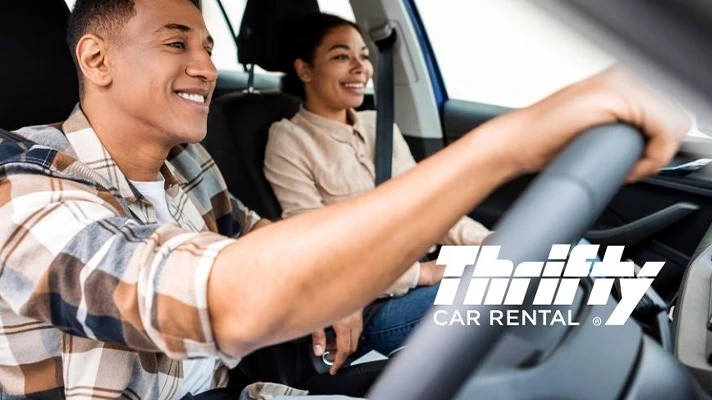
column 72, row 258
column 248, row 218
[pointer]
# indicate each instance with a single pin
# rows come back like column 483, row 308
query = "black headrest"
column 37, row 75
column 262, row 27
column 238, row 124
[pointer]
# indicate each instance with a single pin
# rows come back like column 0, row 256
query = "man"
column 105, row 284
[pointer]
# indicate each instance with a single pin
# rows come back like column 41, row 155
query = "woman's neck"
column 338, row 115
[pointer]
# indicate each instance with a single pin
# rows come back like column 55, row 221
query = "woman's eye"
column 177, row 45
column 365, row 57
column 342, row 57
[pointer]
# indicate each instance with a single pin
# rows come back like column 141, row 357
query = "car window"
column 225, row 50
column 506, row 52
column 509, row 52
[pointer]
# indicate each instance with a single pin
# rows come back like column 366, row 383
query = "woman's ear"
column 303, row 70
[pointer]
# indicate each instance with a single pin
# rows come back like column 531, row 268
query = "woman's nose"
column 358, row 64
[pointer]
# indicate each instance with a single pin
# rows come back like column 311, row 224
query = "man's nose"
column 202, row 66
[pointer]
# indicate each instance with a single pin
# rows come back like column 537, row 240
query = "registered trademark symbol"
column 597, row 321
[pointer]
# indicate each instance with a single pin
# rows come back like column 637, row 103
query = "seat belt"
column 385, row 38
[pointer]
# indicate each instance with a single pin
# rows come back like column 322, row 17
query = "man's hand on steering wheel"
column 611, row 96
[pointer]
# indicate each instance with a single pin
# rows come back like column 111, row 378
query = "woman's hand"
column 430, row 273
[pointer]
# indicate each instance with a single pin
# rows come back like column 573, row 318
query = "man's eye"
column 177, row 45
column 209, row 50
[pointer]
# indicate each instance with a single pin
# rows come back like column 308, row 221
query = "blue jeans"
column 395, row 319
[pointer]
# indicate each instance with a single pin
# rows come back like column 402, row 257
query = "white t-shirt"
column 198, row 372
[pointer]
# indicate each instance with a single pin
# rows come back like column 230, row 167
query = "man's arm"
column 312, row 267
column 466, row 231
column 298, row 275
column 68, row 257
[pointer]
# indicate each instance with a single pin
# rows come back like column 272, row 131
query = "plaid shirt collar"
column 90, row 151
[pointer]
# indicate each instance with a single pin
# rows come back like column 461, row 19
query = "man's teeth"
column 192, row 97
column 354, row 85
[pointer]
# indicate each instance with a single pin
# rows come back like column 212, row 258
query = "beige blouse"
column 312, row 161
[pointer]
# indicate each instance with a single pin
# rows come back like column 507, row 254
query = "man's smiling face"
column 162, row 76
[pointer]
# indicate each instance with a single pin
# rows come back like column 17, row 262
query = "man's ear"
column 93, row 61
column 303, row 70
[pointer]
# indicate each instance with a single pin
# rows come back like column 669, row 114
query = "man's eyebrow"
column 181, row 28
column 173, row 27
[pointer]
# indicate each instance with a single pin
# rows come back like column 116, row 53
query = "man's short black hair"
column 104, row 18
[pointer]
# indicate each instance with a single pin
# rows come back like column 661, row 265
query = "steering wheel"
column 558, row 207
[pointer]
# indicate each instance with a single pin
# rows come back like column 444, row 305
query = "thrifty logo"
column 497, row 282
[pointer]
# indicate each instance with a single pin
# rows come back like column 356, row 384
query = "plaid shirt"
column 96, row 299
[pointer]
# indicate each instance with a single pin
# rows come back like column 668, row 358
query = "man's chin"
column 197, row 138
column 192, row 135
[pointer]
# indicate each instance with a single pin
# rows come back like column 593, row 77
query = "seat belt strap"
column 385, row 38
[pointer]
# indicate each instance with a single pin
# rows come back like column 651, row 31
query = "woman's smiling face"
column 337, row 77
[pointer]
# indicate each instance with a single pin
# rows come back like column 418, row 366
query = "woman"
column 325, row 154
